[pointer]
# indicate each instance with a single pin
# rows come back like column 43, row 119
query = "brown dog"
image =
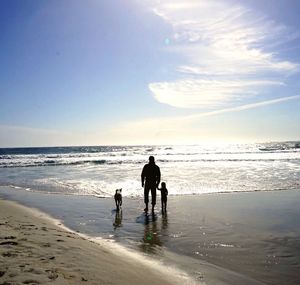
column 118, row 198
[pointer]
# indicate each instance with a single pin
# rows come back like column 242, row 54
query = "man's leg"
column 153, row 196
column 146, row 196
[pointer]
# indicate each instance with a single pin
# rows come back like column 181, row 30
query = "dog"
column 118, row 198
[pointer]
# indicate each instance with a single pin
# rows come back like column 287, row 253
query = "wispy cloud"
column 19, row 136
column 226, row 50
column 244, row 107
column 180, row 129
column 176, row 129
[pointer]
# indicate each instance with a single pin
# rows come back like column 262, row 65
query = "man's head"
column 151, row 159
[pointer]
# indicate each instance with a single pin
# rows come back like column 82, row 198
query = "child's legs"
column 164, row 203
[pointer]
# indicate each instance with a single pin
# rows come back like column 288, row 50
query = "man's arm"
column 158, row 177
column 143, row 176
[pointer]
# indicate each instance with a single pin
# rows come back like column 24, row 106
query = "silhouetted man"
column 150, row 179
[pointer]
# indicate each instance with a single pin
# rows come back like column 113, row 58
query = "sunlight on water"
column 197, row 169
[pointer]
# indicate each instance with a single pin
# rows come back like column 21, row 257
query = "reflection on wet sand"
column 154, row 230
column 118, row 219
column 164, row 223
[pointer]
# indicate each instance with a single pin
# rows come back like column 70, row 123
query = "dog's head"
column 119, row 191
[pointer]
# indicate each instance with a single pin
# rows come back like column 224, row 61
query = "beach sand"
column 213, row 239
column 34, row 250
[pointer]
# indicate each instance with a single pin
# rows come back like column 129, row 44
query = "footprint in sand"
column 52, row 274
column 8, row 243
column 2, row 273
column 34, row 271
column 10, row 237
column 31, row 282
column 9, row 254
column 23, row 239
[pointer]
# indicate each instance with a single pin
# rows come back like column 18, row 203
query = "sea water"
column 253, row 234
column 192, row 169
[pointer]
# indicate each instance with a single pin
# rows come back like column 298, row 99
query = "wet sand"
column 235, row 238
column 33, row 250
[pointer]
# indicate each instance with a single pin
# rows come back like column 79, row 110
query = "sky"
column 132, row 72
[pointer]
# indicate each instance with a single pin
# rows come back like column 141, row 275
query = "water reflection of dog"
column 118, row 220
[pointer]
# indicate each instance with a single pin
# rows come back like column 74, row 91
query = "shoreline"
column 37, row 249
column 30, row 190
column 237, row 238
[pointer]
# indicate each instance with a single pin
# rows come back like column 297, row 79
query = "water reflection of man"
column 150, row 180
column 151, row 238
column 155, row 233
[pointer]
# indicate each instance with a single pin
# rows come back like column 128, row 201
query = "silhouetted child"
column 164, row 194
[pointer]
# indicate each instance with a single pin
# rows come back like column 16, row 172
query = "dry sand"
column 35, row 250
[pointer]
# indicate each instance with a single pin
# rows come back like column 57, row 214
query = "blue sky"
column 148, row 72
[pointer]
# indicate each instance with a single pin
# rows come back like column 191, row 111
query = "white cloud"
column 204, row 93
column 219, row 42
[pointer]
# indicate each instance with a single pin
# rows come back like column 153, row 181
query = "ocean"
column 233, row 210
column 193, row 169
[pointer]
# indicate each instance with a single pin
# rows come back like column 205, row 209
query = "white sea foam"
column 187, row 170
